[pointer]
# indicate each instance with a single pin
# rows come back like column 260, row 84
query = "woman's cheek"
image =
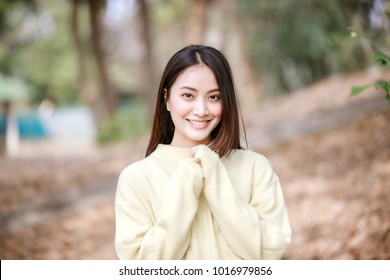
column 179, row 107
column 216, row 109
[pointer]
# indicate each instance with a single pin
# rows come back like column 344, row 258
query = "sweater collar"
column 166, row 151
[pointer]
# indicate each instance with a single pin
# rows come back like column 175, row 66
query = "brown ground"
column 337, row 188
column 336, row 184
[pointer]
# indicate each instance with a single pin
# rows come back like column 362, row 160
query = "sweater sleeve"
column 140, row 235
column 258, row 229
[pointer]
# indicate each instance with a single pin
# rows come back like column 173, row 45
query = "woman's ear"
column 166, row 99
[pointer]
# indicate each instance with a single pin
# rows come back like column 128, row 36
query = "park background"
column 78, row 79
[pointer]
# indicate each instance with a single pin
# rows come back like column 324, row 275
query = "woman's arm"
column 259, row 229
column 140, row 235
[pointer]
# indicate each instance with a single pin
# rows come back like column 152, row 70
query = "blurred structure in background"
column 13, row 92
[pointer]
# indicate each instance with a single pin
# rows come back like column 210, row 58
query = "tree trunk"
column 149, row 82
column 87, row 91
column 95, row 7
column 252, row 92
column 248, row 74
column 12, row 141
column 197, row 23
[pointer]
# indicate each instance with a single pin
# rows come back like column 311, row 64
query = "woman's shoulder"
column 136, row 168
column 249, row 156
column 254, row 162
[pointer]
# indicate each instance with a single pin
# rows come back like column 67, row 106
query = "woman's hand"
column 203, row 155
column 194, row 150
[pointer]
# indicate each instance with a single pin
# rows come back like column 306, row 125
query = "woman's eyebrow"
column 194, row 89
column 189, row 88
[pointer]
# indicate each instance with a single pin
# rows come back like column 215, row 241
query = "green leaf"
column 381, row 58
column 383, row 85
column 358, row 90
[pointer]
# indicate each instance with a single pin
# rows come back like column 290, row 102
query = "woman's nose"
column 200, row 108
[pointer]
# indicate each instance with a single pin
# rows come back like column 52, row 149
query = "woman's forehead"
column 196, row 76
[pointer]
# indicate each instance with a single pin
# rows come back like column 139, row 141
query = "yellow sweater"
column 172, row 206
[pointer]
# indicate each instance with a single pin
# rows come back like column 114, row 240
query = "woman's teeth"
column 198, row 123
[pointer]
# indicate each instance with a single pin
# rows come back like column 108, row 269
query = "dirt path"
column 338, row 192
column 53, row 206
column 272, row 134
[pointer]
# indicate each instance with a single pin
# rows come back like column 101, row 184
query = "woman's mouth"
column 198, row 124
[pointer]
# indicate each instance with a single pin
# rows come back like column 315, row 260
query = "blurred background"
column 78, row 80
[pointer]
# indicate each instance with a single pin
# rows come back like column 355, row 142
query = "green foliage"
column 51, row 69
column 298, row 42
column 166, row 12
column 38, row 49
column 383, row 60
column 128, row 123
column 358, row 90
column 109, row 131
column 9, row 7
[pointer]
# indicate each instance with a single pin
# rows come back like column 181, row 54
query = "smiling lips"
column 198, row 124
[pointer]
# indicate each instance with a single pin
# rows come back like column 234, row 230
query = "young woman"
column 198, row 194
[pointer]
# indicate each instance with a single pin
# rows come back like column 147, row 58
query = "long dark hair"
column 226, row 136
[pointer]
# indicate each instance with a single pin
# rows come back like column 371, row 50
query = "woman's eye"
column 215, row 97
column 187, row 95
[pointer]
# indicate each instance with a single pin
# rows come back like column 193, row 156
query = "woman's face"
column 195, row 106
